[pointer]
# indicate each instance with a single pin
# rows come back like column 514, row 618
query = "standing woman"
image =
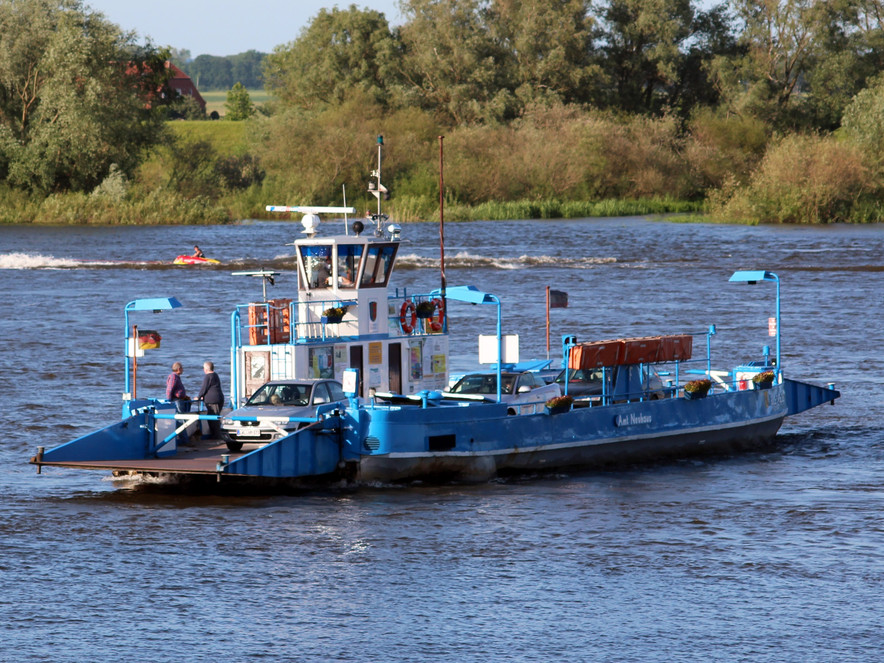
column 213, row 397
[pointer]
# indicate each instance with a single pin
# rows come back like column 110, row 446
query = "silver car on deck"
column 278, row 398
column 524, row 393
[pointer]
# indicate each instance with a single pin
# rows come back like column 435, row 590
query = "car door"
column 320, row 394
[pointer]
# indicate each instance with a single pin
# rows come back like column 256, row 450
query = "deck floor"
column 198, row 457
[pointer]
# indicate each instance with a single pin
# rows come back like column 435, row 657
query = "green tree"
column 246, row 68
column 453, row 62
column 341, row 51
column 782, row 43
column 74, row 93
column 215, row 72
column 239, row 105
column 548, row 45
column 863, row 123
column 210, row 72
column 654, row 54
column 848, row 53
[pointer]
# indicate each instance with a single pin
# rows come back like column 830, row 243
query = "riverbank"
column 108, row 208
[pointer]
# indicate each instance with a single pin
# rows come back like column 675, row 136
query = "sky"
column 223, row 27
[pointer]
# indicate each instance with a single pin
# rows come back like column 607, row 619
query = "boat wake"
column 462, row 260
column 39, row 261
column 25, row 261
column 465, row 260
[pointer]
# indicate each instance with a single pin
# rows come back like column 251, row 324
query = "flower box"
column 763, row 380
column 696, row 389
column 559, row 404
column 426, row 309
column 333, row 315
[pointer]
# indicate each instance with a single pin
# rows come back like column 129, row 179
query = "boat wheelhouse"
column 345, row 316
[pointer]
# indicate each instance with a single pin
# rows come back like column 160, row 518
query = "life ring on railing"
column 438, row 316
column 405, row 322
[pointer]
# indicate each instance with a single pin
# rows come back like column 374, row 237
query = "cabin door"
column 356, row 362
column 394, row 367
column 257, row 370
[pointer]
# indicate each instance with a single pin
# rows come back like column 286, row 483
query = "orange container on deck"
column 257, row 324
column 677, row 347
column 280, row 320
column 644, row 350
column 595, row 355
column 624, row 351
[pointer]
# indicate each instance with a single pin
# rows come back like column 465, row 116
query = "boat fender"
column 405, row 321
column 438, row 316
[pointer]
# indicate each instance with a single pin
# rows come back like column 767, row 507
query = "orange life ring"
column 407, row 326
column 438, row 316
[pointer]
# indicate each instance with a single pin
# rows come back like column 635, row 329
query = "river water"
column 770, row 556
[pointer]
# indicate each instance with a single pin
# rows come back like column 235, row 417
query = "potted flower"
column 697, row 389
column 763, row 380
column 333, row 315
column 425, row 309
column 559, row 404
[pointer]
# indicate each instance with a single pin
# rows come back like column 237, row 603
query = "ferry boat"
column 398, row 421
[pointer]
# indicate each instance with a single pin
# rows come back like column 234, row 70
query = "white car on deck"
column 278, row 399
column 524, row 393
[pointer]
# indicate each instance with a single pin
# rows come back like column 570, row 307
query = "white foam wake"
column 34, row 261
column 467, row 260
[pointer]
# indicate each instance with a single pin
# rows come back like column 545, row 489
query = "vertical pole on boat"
column 709, row 334
column 128, row 342
column 134, row 361
column 380, row 145
column 442, row 231
column 346, row 229
column 777, row 281
column 499, row 350
column 547, row 322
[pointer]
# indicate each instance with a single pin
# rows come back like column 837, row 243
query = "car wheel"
column 234, row 446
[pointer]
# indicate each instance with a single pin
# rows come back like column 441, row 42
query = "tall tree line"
column 794, row 63
column 212, row 72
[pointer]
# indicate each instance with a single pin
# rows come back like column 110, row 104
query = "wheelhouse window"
column 348, row 264
column 317, row 265
column 378, row 265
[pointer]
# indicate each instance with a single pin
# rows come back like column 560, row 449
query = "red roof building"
column 183, row 85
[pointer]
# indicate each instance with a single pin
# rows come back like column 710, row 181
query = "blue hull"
column 433, row 440
column 485, row 443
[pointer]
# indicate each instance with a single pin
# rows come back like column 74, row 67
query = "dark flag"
column 558, row 299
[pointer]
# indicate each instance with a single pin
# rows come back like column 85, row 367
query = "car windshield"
column 580, row 375
column 281, row 394
column 483, row 384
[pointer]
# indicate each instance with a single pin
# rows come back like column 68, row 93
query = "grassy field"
column 228, row 138
column 216, row 99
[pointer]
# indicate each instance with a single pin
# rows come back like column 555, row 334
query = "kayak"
column 193, row 260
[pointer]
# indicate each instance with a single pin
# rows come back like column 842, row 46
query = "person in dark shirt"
column 198, row 252
column 212, row 395
column 176, row 394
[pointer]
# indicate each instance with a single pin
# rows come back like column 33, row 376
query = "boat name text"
column 632, row 419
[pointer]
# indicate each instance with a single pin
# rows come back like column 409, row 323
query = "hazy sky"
column 223, row 27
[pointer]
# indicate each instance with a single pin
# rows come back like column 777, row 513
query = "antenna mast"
column 378, row 190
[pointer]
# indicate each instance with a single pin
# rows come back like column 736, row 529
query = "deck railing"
column 278, row 321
